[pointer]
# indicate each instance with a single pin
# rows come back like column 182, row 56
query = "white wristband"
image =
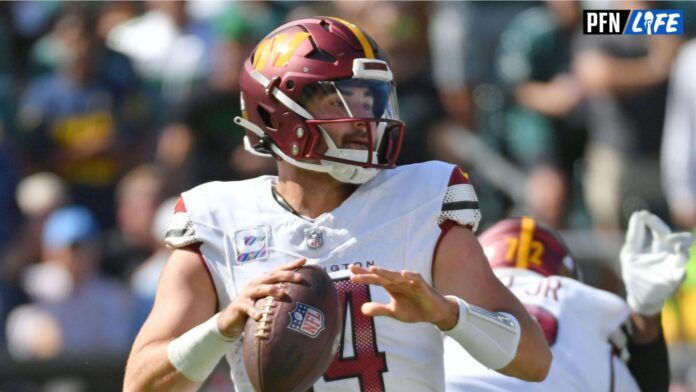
column 196, row 353
column 490, row 337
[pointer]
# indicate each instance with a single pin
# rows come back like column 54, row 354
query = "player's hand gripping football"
column 233, row 318
column 412, row 298
column 652, row 271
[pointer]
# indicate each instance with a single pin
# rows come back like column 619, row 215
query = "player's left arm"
column 469, row 303
column 461, row 269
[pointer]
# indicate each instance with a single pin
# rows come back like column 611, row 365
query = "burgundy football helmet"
column 526, row 244
column 313, row 74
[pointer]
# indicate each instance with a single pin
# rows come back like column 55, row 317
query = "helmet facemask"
column 355, row 129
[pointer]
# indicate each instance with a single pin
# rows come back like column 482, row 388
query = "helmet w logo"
column 277, row 50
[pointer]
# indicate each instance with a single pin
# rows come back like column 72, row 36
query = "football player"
column 599, row 341
column 319, row 97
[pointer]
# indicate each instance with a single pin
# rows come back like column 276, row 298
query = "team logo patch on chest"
column 307, row 320
column 251, row 244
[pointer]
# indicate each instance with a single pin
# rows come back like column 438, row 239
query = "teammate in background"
column 318, row 96
column 598, row 341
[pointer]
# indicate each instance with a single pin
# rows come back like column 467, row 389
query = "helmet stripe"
column 526, row 234
column 367, row 48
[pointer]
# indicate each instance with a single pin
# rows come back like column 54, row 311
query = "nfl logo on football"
column 307, row 320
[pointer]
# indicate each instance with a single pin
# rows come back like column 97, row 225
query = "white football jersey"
column 577, row 321
column 393, row 221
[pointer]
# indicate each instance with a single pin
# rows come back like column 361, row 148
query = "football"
column 293, row 343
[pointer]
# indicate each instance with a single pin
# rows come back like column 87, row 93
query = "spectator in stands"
column 37, row 196
column 75, row 310
column 113, row 68
column 127, row 245
column 545, row 134
column 201, row 143
column 77, row 121
column 175, row 54
column 625, row 81
column 464, row 38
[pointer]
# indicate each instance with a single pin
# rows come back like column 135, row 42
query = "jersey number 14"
column 366, row 362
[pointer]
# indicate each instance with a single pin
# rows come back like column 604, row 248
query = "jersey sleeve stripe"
column 460, row 205
column 367, row 48
column 181, row 232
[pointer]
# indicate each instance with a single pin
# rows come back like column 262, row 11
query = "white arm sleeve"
column 490, row 337
column 196, row 353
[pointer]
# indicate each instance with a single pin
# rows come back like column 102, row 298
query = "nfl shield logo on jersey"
column 314, row 239
column 251, row 244
column 307, row 320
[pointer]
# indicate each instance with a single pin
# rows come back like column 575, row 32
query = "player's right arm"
column 180, row 323
column 185, row 298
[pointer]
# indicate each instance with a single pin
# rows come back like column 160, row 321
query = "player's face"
column 359, row 103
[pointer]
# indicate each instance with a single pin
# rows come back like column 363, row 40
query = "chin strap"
column 348, row 173
column 352, row 174
column 253, row 128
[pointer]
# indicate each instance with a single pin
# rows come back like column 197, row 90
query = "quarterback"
column 318, row 96
column 599, row 341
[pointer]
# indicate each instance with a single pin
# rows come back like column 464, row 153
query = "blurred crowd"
column 108, row 110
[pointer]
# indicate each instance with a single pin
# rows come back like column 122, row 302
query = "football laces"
column 263, row 326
